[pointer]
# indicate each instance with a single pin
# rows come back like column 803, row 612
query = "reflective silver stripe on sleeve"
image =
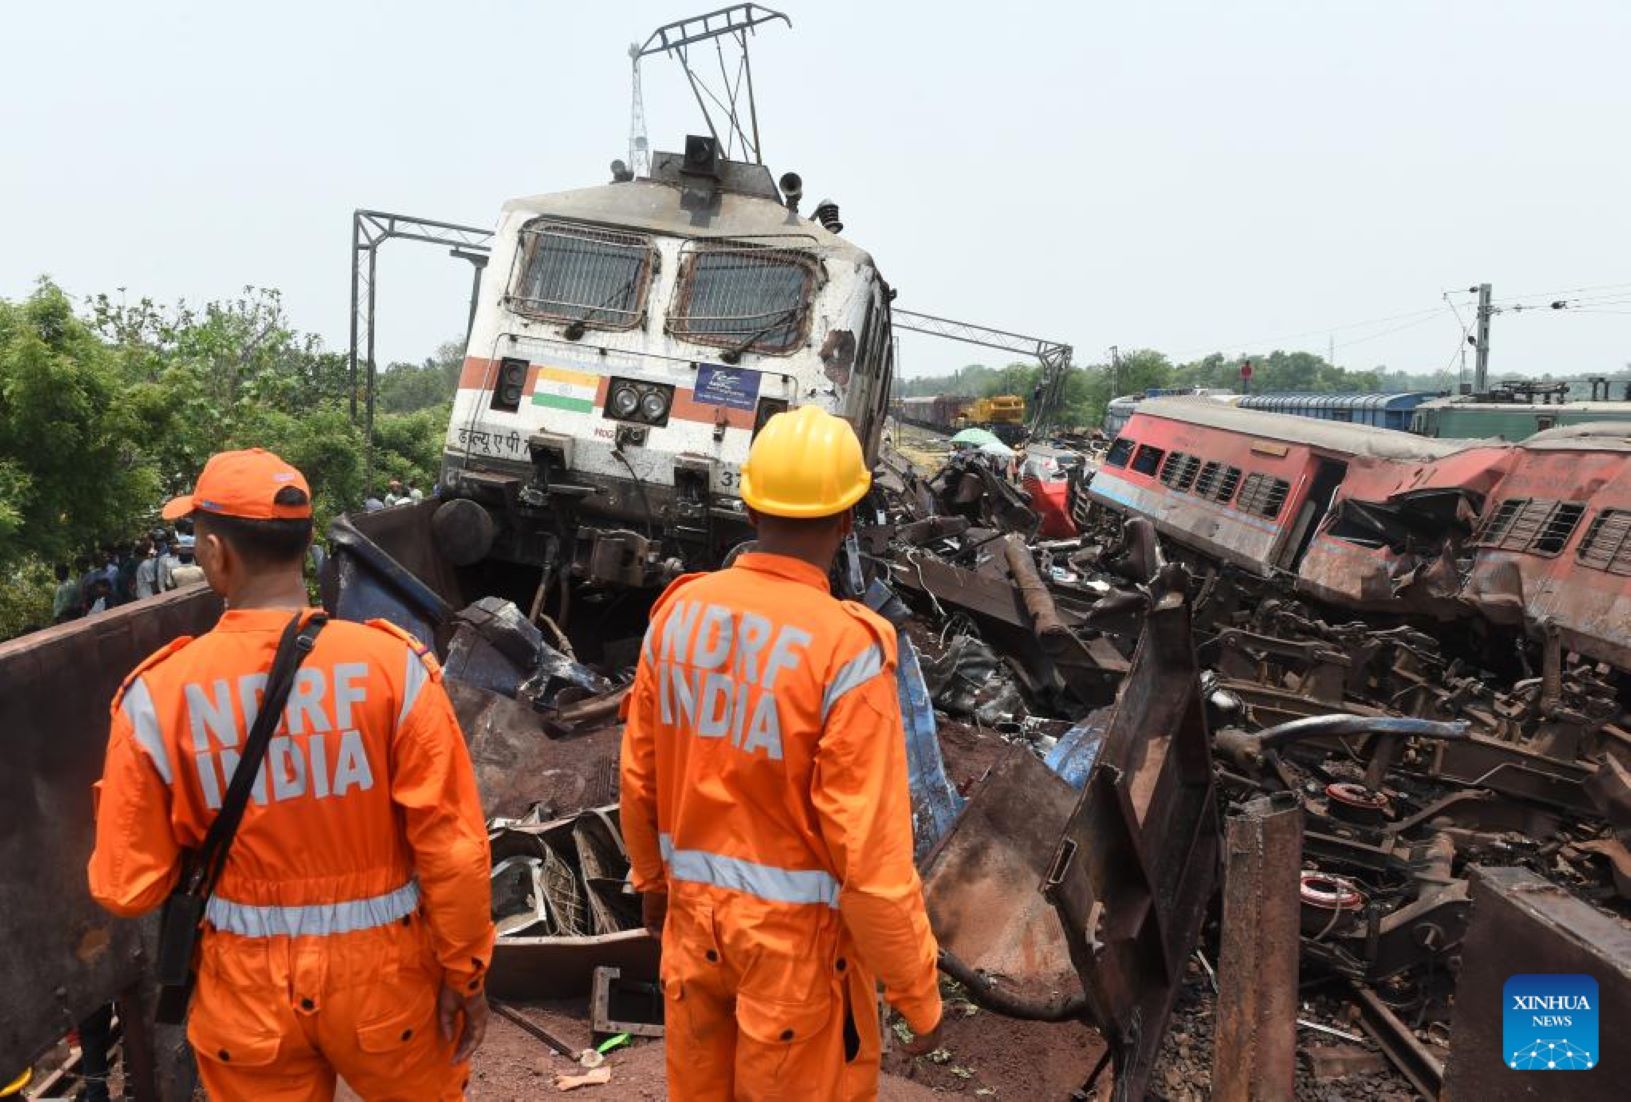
column 144, row 720
column 735, row 874
column 851, row 675
column 314, row 920
column 412, row 682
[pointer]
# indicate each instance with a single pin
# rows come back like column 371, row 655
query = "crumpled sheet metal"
column 518, row 766
column 980, row 884
column 1133, row 871
column 556, row 965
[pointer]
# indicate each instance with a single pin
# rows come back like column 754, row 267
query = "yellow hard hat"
column 805, row 463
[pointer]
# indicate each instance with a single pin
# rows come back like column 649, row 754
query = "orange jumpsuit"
column 357, row 884
column 764, row 788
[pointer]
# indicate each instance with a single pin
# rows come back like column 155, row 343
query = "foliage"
column 408, row 388
column 26, row 589
column 73, row 473
column 104, row 416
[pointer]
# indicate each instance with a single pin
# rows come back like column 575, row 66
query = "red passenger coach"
column 1242, row 486
column 1534, row 535
column 1555, row 540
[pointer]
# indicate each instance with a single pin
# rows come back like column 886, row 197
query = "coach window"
column 589, row 278
column 1217, row 482
column 1148, row 460
column 1119, row 451
column 1605, row 545
column 1179, row 471
column 1263, row 495
column 1532, row 525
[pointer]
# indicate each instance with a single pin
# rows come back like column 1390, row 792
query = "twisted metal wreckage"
column 1176, row 728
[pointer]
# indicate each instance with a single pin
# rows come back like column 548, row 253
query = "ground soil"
column 984, row 1055
column 512, row 1064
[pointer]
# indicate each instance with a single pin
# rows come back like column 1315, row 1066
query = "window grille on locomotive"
column 744, row 296
column 593, row 278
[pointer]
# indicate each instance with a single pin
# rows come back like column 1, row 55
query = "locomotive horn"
column 826, row 213
column 792, row 185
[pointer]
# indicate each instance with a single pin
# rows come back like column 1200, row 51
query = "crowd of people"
column 159, row 561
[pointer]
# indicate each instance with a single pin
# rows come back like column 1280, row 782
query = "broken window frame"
column 1532, row 526
column 695, row 257
column 1148, row 466
column 601, row 312
column 1617, row 559
column 1263, row 495
column 1120, row 451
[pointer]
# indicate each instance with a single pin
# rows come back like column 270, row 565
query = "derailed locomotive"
column 628, row 343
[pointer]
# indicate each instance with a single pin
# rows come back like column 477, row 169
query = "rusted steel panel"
column 1134, row 869
column 1256, row 1045
column 980, row 884
column 1522, row 924
column 64, row 955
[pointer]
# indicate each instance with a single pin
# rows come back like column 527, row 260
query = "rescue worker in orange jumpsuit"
column 350, row 929
column 765, row 804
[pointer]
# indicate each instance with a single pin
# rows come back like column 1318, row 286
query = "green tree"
column 26, row 587
column 408, row 388
column 73, row 472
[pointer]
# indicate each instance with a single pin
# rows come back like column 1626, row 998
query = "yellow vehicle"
column 1003, row 409
column 1003, row 414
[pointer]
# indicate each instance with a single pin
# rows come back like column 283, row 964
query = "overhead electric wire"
column 1608, row 294
column 1570, row 290
column 1389, row 332
column 1214, row 346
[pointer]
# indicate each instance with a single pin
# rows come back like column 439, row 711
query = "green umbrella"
column 977, row 438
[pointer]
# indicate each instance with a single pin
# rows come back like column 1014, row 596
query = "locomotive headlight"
column 653, row 405
column 625, row 400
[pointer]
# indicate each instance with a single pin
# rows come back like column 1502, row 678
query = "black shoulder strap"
column 293, row 647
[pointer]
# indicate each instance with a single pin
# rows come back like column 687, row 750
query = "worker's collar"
column 783, row 566
column 257, row 619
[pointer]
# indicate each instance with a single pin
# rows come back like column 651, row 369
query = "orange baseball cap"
column 243, row 484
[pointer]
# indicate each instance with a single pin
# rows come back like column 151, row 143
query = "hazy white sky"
column 1186, row 176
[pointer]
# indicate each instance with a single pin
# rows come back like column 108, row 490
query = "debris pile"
column 1409, row 761
column 1089, row 718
